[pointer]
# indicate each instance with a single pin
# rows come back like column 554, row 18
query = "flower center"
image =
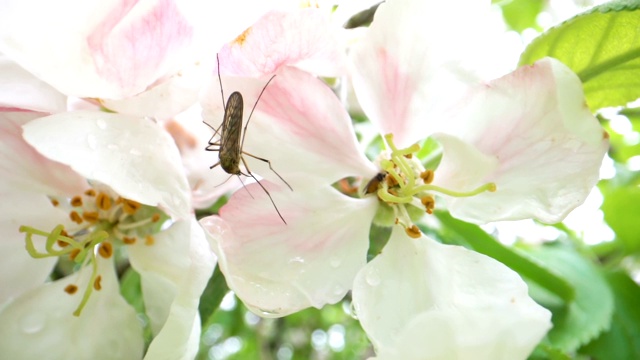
column 403, row 184
column 102, row 223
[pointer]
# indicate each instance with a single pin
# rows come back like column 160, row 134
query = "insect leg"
column 249, row 173
column 270, row 167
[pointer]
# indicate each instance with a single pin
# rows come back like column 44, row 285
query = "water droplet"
column 335, row 262
column 296, row 260
column 354, row 310
column 91, row 141
column 373, row 278
column 32, row 323
column 113, row 147
column 102, row 124
column 135, row 151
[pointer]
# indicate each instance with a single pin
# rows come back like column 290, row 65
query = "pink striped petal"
column 299, row 125
column 406, row 68
column 277, row 268
column 544, row 145
column 305, row 38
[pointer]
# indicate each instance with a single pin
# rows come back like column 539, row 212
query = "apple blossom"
column 521, row 146
column 95, row 186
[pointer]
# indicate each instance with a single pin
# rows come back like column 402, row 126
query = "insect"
column 230, row 144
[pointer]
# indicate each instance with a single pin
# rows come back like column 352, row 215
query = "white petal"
column 19, row 271
column 133, row 156
column 406, row 69
column 299, row 125
column 304, row 38
column 40, row 324
column 30, row 171
column 276, row 268
column 420, row 299
column 20, row 89
column 174, row 271
column 548, row 147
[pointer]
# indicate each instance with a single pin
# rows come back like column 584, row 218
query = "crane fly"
column 230, row 144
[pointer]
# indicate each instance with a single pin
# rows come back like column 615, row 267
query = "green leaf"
column 602, row 46
column 589, row 314
column 484, row 243
column 211, row 297
column 622, row 341
column 621, row 209
column 131, row 289
column 521, row 14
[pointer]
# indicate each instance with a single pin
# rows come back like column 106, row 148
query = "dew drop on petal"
column 372, row 277
column 102, row 124
column 32, row 323
column 91, row 141
column 354, row 310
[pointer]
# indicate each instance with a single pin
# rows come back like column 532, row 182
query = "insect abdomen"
column 231, row 133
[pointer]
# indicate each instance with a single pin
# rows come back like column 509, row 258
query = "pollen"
column 242, row 37
column 71, row 289
column 155, row 218
column 75, row 217
column 91, row 216
column 76, row 201
column 97, row 283
column 103, row 201
column 55, row 202
column 429, row 203
column 413, row 231
column 149, row 240
column 130, row 207
column 90, row 193
column 129, row 240
column 427, row 176
column 105, row 250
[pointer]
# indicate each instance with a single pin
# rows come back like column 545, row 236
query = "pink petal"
column 108, row 49
column 276, row 268
column 299, row 125
column 406, row 68
column 133, row 156
column 304, row 38
column 420, row 299
column 30, row 171
column 546, row 146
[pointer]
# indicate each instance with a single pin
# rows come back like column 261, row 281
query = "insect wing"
column 230, row 151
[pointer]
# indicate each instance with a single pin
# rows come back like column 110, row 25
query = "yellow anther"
column 105, row 249
column 74, row 254
column 71, row 289
column 96, row 283
column 391, row 181
column 155, row 218
column 90, row 192
column 408, row 156
column 55, row 202
column 75, row 217
column 149, row 240
column 242, row 37
column 427, row 176
column 130, row 207
column 91, row 216
column 76, row 201
column 429, row 203
column 413, row 231
column 103, row 201
column 129, row 240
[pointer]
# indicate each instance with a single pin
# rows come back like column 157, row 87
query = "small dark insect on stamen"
column 372, row 185
column 229, row 145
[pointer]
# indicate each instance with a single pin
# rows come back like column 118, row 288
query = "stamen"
column 155, row 218
column 103, row 201
column 90, row 192
column 55, row 202
column 91, row 216
column 71, row 289
column 413, row 231
column 96, row 283
column 130, row 207
column 105, row 249
column 429, row 203
column 149, row 240
column 427, row 176
column 491, row 187
column 75, row 217
column 76, row 201
column 129, row 240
